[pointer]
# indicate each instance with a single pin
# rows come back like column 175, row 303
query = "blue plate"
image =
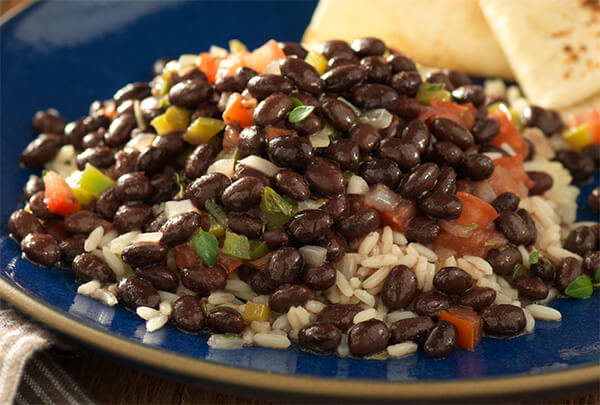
column 67, row 54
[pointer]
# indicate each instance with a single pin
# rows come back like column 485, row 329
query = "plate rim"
column 198, row 369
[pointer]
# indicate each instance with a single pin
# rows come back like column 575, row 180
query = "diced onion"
column 319, row 139
column 152, row 237
column 310, row 204
column 174, row 208
column 379, row 118
column 455, row 229
column 150, row 103
column 262, row 165
column 139, row 117
column 186, row 63
column 141, row 141
column 224, row 166
column 218, row 52
column 313, row 255
column 223, row 100
column 357, row 185
column 272, row 68
column 381, row 198
column 118, row 244
column 484, row 191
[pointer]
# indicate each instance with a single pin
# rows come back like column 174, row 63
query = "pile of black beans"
column 423, row 163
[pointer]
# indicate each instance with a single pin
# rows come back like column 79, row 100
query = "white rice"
column 343, row 285
column 364, row 315
column 260, row 326
column 94, row 239
column 298, row 317
column 544, row 313
column 377, row 278
column 218, row 298
column 165, row 308
column 272, row 340
column 314, row 306
column 365, row 297
column 402, row 349
column 146, row 313
column 399, row 315
column 156, row 323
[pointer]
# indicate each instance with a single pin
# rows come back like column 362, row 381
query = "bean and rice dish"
column 343, row 198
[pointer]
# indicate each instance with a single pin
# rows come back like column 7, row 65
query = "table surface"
column 112, row 382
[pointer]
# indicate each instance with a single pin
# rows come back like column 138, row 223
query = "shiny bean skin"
column 401, row 63
column 41, row 150
column 503, row 320
column 41, row 248
column 309, row 225
column 417, row 133
column 478, row 298
column 411, row 329
column 368, row 337
column 343, row 78
column 319, row 277
column 120, row 129
column 126, row 161
column 405, row 107
column 531, row 287
column 273, row 109
column 366, row 136
column 49, row 121
column 309, row 125
column 368, row 46
column 38, row 207
column 241, row 170
column 292, row 184
column 394, row 129
column 399, row 288
column 547, row 120
column 594, row 199
column 406, row 155
column 180, row 229
column 132, row 217
column 591, row 262
column 283, row 267
column 142, row 254
column 504, row 262
column 190, row 93
column 199, row 160
column 87, row 267
column 431, row 303
column 264, row 85
column 294, row 152
column 207, row 187
column 580, row 165
column 470, row 93
column 336, row 246
column 448, row 130
column 160, row 276
column 526, row 217
column 506, row 202
column 542, row 182
column 204, row 280
column 75, row 131
column 442, row 206
column 358, row 224
column 452, row 280
column 422, row 229
column 133, row 187
column 567, row 270
column 288, row 296
column 447, row 153
column 581, row 240
column 446, row 182
column 100, row 157
column 337, row 207
column 252, row 141
column 336, row 47
column 543, row 269
column 245, row 224
column 485, row 130
column 135, row 292
column 441, row 341
column 477, row 167
column 324, row 177
column 339, row 114
column 155, row 224
column 421, row 180
column 188, row 314
column 81, row 222
column 164, row 188
column 380, row 171
column 373, row 95
column 132, row 91
column 56, row 228
column 303, row 75
column 406, row 82
column 33, row 185
column 276, row 238
column 243, row 194
column 458, row 78
column 441, row 77
column 513, row 227
column 293, row 48
column 339, row 315
column 593, row 152
column 71, row 248
column 225, row 320
column 377, row 70
column 322, row 338
column 171, row 143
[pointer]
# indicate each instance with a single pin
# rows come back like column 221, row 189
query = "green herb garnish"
column 300, row 113
column 217, row 212
column 206, row 246
column 297, row 102
column 534, row 257
column 517, row 272
column 580, row 288
column 276, row 210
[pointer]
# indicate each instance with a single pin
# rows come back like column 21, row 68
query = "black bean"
column 531, row 287
column 135, row 91
column 441, row 77
column 82, row 222
column 41, row 248
column 303, row 75
column 309, row 225
column 180, row 229
column 399, row 288
column 264, row 85
column 593, row 152
column 100, row 157
column 309, row 125
column 452, row 280
column 276, row 238
column 374, row 95
column 155, row 224
column 225, row 320
column 190, row 93
column 581, row 240
column 405, row 107
column 336, row 47
column 252, row 141
column 324, row 177
column 358, row 224
column 338, row 61
column 204, row 279
column 87, row 267
column 159, row 65
column 320, row 338
column 133, row 187
column 411, row 329
column 241, row 170
column 290, row 151
column 207, row 187
column 293, row 48
column 339, row 114
column 319, row 277
column 292, row 184
column 283, row 267
column 458, row 78
column 470, row 93
column 336, row 207
column 227, row 84
column 542, row 182
column 504, row 261
column 513, row 227
column 75, row 131
column 188, row 314
column 503, row 320
column 33, row 185
column 245, row 224
column 530, row 225
column 272, row 109
column 380, row 171
column 199, row 160
column 477, row 167
column 594, row 199
column 243, row 194
column 132, row 217
column 336, row 246
column 394, row 129
column 446, row 183
column 70, row 248
column 368, row 46
column 567, row 270
column 478, row 298
column 406, row 82
column 543, row 269
column 441, row 205
column 441, row 341
column 38, row 207
column 547, row 120
column 368, row 337
column 421, row 180
column 164, row 187
column 376, row 68
column 485, row 130
column 125, row 161
column 580, row 165
column 343, row 78
column 506, row 202
column 56, row 228
column 288, row 296
column 431, row 303
column 41, row 150
column 49, row 121
column 366, row 136
column 160, row 276
column 120, row 130
column 401, row 63
column 135, row 292
column 422, row 230
column 447, row 153
column 341, row 315
column 448, row 130
column 142, row 254
column 344, row 152
column 487, row 148
column 405, row 154
column 416, row 132
column 591, row 262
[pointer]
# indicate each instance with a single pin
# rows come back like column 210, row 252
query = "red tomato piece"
column 592, row 119
column 209, row 65
column 274, row 132
column 235, row 112
column 261, row 57
column 464, row 114
column 186, row 256
column 230, row 64
column 475, row 211
column 229, row 263
column 509, row 133
column 59, row 196
column 398, row 217
column 474, row 245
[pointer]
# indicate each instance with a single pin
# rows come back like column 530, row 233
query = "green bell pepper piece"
column 276, row 210
column 236, row 246
column 94, row 181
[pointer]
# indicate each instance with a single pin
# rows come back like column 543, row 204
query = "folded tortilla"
column 553, row 47
column 445, row 33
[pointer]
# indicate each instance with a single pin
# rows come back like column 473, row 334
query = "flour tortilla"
column 583, row 107
column 553, row 47
column 445, row 33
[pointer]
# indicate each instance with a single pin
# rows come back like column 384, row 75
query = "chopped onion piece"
column 150, row 103
column 381, row 198
column 186, row 63
column 139, row 117
column 310, row 204
column 118, row 244
column 141, row 141
column 224, row 166
column 223, row 100
column 379, row 118
column 272, row 68
column 352, row 106
column 152, row 237
column 218, row 52
column 225, row 342
column 455, row 229
column 319, row 139
column 313, row 255
column 484, row 191
column 174, row 208
column 357, row 185
column 262, row 165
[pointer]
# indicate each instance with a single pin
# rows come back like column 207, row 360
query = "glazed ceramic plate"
column 67, row 54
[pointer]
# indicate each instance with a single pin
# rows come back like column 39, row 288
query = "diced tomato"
column 109, row 111
column 186, row 256
column 474, row 245
column 274, row 132
column 592, row 119
column 209, row 65
column 398, row 217
column 229, row 65
column 58, row 195
column 464, row 114
column 509, row 133
column 475, row 211
column 235, row 112
column 229, row 263
column 509, row 176
column 468, row 325
column 261, row 57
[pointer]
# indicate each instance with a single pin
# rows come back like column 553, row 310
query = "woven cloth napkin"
column 28, row 373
